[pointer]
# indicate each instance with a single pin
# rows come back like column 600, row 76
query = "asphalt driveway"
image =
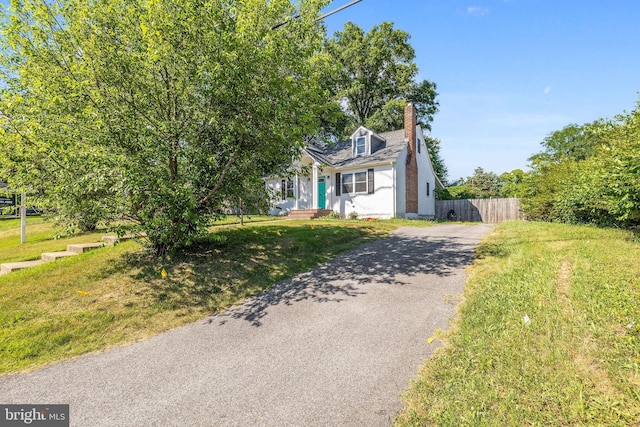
column 332, row 347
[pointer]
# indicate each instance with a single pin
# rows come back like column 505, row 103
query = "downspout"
column 393, row 166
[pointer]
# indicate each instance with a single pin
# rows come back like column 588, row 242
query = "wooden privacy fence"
column 490, row 211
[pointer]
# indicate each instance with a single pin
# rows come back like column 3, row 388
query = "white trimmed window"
column 361, row 146
column 358, row 182
column 286, row 189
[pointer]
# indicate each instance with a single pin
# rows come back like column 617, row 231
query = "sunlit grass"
column 578, row 360
column 40, row 237
column 117, row 295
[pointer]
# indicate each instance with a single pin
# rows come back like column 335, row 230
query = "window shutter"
column 283, row 190
column 428, row 189
column 338, row 184
column 370, row 186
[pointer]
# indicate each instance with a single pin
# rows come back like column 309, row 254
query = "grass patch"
column 117, row 295
column 578, row 360
column 14, row 223
column 41, row 237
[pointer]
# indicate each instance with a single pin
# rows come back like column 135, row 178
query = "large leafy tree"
column 161, row 111
column 616, row 169
column 571, row 142
column 374, row 76
column 588, row 174
column 556, row 179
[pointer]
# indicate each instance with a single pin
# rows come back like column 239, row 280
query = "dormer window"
column 364, row 142
column 361, row 146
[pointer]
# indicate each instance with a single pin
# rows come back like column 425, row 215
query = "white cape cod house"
column 382, row 175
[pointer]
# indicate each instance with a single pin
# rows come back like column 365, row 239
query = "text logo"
column 34, row 415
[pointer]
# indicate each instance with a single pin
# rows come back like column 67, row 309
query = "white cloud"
column 547, row 90
column 477, row 11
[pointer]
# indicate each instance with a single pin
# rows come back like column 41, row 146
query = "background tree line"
column 586, row 173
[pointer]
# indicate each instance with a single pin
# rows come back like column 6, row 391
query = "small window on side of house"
column 428, row 188
column 419, row 144
column 290, row 189
column 286, row 189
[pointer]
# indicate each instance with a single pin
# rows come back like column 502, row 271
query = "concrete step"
column 13, row 266
column 112, row 240
column 79, row 248
column 52, row 256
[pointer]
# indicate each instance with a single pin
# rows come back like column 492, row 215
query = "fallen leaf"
column 430, row 340
column 83, row 293
column 163, row 273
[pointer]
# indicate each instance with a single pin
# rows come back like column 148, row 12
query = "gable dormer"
column 365, row 142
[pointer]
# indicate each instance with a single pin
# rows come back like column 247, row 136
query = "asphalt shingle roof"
column 340, row 155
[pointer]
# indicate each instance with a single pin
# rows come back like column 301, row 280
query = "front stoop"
column 13, row 266
column 308, row 213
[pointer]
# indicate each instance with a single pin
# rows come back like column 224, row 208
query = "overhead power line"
column 320, row 18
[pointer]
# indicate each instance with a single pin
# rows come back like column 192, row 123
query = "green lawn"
column 117, row 295
column 40, row 237
column 576, row 362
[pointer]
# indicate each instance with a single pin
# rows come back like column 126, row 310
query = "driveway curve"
column 331, row 347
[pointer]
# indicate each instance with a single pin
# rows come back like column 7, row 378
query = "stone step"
column 112, row 240
column 13, row 266
column 52, row 256
column 79, row 248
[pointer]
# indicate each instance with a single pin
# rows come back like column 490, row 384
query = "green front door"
column 322, row 193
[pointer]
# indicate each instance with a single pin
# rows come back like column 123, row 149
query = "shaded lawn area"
column 117, row 295
column 573, row 360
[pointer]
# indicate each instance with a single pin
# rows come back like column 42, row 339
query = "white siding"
column 376, row 205
column 426, row 203
column 301, row 189
column 278, row 206
column 305, row 193
column 387, row 201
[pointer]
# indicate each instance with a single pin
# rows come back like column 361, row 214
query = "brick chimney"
column 410, row 122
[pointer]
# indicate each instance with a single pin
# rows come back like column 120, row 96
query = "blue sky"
column 510, row 72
